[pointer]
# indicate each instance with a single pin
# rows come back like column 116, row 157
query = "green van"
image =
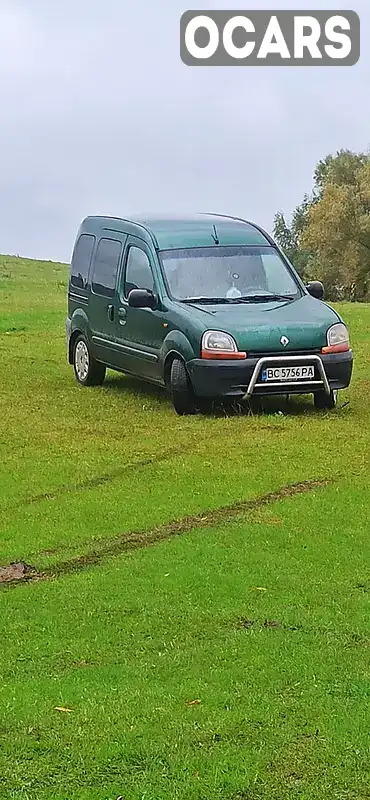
column 208, row 307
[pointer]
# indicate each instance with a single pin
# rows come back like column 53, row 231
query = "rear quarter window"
column 106, row 263
column 81, row 260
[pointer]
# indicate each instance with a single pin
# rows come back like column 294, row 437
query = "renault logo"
column 284, row 341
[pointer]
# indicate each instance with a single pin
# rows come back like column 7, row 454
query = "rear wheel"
column 182, row 394
column 326, row 401
column 88, row 372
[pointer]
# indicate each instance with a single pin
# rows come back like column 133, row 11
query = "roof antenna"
column 215, row 236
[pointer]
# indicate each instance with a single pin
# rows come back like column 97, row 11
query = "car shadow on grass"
column 279, row 404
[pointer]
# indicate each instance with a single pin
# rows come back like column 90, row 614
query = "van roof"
column 171, row 231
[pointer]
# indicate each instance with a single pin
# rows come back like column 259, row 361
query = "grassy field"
column 203, row 608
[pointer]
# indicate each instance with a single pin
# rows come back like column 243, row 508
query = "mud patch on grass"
column 348, row 639
column 363, row 587
column 246, row 623
column 274, row 624
column 133, row 540
column 17, row 571
column 52, row 551
column 253, row 794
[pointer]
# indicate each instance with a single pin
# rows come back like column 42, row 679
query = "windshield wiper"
column 248, row 298
column 262, row 298
column 207, row 300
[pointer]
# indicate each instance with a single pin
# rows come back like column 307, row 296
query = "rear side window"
column 81, row 260
column 106, row 263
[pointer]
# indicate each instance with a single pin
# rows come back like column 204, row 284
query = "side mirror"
column 142, row 298
column 316, row 289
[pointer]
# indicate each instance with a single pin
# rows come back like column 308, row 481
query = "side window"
column 81, row 259
column 107, row 258
column 138, row 271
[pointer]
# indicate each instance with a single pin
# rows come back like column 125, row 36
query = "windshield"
column 228, row 273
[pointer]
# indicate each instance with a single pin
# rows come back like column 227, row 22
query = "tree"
column 338, row 232
column 329, row 234
column 340, row 169
column 289, row 237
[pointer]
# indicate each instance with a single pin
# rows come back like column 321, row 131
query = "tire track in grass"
column 134, row 540
column 101, row 480
column 110, row 477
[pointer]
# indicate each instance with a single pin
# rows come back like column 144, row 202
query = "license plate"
column 288, row 373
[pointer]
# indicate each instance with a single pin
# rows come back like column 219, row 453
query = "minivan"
column 207, row 306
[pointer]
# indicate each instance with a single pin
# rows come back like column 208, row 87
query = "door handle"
column 122, row 314
column 111, row 313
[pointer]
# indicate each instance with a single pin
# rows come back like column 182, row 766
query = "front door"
column 139, row 331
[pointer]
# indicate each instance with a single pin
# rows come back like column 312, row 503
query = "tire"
column 88, row 372
column 325, row 401
column 182, row 394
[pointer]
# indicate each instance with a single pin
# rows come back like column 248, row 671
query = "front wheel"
column 88, row 372
column 324, row 401
column 182, row 394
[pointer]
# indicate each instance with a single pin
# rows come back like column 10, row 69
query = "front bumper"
column 241, row 378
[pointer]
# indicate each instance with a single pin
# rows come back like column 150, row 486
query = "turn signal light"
column 223, row 354
column 336, row 348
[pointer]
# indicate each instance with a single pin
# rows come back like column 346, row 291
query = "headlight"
column 216, row 344
column 337, row 339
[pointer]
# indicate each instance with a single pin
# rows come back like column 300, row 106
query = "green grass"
column 262, row 614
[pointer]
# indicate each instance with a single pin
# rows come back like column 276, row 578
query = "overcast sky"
column 99, row 115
